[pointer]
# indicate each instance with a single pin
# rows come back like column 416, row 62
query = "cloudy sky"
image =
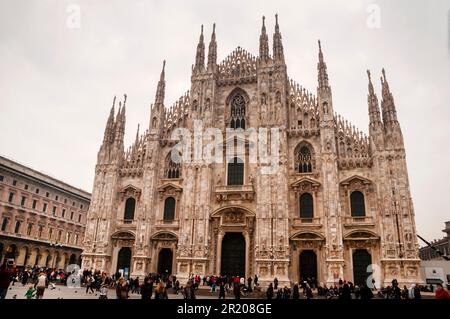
column 58, row 77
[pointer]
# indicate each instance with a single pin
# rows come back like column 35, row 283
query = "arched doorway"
column 22, row 258
column 308, row 265
column 361, row 259
column 72, row 259
column 124, row 261
column 165, row 258
column 233, row 255
column 48, row 259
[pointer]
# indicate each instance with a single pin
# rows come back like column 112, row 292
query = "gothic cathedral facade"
column 338, row 206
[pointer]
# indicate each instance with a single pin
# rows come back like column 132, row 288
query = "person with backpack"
column 122, row 289
column 89, row 284
column 41, row 284
column 147, row 288
column 269, row 292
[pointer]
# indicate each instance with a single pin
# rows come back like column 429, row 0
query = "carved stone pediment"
column 238, row 192
column 307, row 236
column 169, row 189
column 361, row 235
column 305, row 184
column 130, row 191
column 164, row 236
column 233, row 217
column 356, row 178
column 123, row 236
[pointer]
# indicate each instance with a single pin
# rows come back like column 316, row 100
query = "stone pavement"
column 63, row 292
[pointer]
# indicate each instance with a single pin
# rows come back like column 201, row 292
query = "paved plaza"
column 63, row 292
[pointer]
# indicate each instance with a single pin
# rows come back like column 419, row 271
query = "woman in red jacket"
column 441, row 293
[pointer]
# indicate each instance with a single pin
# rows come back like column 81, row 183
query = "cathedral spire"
column 160, row 90
column 212, row 52
column 109, row 130
column 157, row 112
column 263, row 42
column 372, row 101
column 278, row 53
column 136, row 142
column 120, row 122
column 322, row 70
column 200, row 55
column 124, row 104
column 387, row 103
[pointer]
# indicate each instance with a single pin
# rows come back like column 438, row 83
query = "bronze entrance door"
column 124, row 261
column 361, row 259
column 308, row 265
column 165, row 257
column 233, row 255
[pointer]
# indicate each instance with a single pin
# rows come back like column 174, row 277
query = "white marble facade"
column 338, row 199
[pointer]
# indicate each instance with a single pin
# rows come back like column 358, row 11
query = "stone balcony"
column 359, row 221
column 315, row 222
column 126, row 224
column 234, row 192
column 165, row 224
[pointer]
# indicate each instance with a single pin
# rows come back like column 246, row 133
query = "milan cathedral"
column 337, row 207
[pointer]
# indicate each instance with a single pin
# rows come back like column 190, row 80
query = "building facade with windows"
column 42, row 219
column 338, row 201
column 442, row 245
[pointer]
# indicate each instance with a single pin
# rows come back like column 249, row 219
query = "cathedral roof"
column 238, row 66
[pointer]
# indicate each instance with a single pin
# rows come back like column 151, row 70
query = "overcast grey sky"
column 57, row 82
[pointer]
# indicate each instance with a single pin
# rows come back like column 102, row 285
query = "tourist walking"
column 122, row 289
column 365, row 292
column 41, row 284
column 30, row 292
column 147, row 289
column 221, row 290
column 344, row 291
column 161, row 291
column 89, row 285
column 417, row 294
column 249, row 284
column 441, row 293
column 237, row 291
column 25, row 277
column 269, row 292
column 295, row 292
column 5, row 279
column 103, row 292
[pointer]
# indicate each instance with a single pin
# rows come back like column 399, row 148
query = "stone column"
column 219, row 252
column 115, row 256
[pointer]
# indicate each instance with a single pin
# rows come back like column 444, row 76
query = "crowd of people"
column 155, row 286
column 37, row 279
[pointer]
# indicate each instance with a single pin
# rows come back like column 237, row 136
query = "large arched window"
column 306, row 206
column 237, row 112
column 173, row 170
column 235, row 172
column 169, row 208
column 303, row 159
column 130, row 205
column 358, row 208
